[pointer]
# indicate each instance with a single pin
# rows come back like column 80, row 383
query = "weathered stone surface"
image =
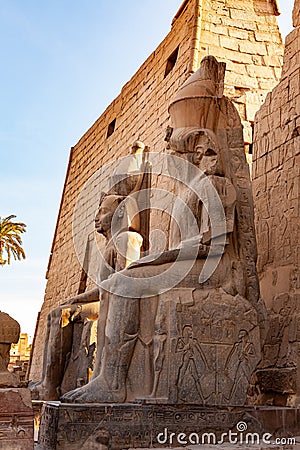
column 209, row 357
column 281, row 381
column 72, row 427
column 9, row 333
column 9, row 329
column 296, row 14
column 141, row 111
column 276, row 194
column 16, row 419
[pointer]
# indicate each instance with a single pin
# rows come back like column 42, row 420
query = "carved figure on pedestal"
column 193, row 363
column 239, row 363
column 119, row 252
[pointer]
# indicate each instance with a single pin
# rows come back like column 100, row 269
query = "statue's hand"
column 72, row 301
column 145, row 260
column 75, row 312
column 86, row 297
column 192, row 242
column 189, row 248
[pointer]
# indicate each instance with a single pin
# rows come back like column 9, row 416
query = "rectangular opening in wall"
column 111, row 128
column 171, row 61
column 251, row 143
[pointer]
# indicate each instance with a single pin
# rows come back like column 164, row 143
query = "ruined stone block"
column 16, row 419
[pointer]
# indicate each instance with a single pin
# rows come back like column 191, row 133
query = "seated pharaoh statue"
column 119, row 251
column 194, row 308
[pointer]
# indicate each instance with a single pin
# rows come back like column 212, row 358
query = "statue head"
column 200, row 146
column 118, row 212
column 137, row 147
column 187, row 332
column 206, row 155
column 107, row 207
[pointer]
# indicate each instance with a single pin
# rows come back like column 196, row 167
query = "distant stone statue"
column 208, row 331
column 9, row 334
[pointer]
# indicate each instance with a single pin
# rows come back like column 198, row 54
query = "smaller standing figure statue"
column 120, row 250
column 9, row 334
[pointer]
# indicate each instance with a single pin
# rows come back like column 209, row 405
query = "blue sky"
column 63, row 62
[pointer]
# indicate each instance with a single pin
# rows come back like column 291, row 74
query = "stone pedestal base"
column 16, row 419
column 101, row 426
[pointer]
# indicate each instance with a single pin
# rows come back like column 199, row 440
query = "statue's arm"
column 85, row 297
column 156, row 259
column 185, row 252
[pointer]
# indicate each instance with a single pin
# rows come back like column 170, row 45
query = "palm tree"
column 10, row 239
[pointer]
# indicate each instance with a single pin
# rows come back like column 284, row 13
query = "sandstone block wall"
column 277, row 200
column 244, row 34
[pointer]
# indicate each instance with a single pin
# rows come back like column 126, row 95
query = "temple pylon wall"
column 276, row 189
column 243, row 34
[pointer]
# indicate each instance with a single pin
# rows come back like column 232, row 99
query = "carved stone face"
column 105, row 213
column 206, row 157
column 242, row 335
column 187, row 332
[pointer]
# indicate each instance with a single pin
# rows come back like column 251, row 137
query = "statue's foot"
column 96, row 391
column 40, row 391
column 32, row 384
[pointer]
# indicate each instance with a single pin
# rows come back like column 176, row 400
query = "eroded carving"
column 193, row 363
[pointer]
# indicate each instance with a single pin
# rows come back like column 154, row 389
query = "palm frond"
column 10, row 239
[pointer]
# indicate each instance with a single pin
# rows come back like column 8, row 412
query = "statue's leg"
column 101, row 324
column 121, row 334
column 34, row 384
column 120, row 337
column 4, row 356
column 159, row 339
column 195, row 375
column 57, row 345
